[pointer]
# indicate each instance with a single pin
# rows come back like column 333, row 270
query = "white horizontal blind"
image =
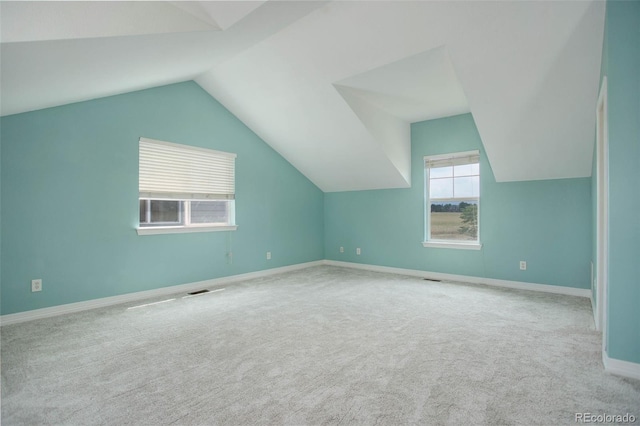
column 459, row 159
column 173, row 171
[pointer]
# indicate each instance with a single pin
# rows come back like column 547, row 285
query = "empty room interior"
column 320, row 212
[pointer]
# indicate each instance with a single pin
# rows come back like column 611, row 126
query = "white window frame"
column 185, row 200
column 448, row 244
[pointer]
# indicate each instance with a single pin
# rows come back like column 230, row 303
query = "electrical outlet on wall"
column 268, row 255
column 36, row 285
column 358, row 251
column 341, row 249
column 523, row 265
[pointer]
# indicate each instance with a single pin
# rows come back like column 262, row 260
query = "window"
column 452, row 200
column 184, row 188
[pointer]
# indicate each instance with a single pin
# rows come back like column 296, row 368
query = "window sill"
column 452, row 245
column 183, row 229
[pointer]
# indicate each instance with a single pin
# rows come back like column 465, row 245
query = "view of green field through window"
column 453, row 197
column 454, row 221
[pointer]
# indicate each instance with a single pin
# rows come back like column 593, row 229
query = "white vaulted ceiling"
column 333, row 86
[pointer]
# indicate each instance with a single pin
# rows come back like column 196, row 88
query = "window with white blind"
column 452, row 200
column 185, row 188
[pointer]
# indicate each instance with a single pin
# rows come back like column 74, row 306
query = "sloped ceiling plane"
column 333, row 86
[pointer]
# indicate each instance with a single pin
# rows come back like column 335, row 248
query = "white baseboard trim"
column 621, row 368
column 131, row 297
column 570, row 291
column 216, row 282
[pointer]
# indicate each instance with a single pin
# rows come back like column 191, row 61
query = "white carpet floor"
column 324, row 345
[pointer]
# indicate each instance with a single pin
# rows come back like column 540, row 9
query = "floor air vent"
column 198, row 292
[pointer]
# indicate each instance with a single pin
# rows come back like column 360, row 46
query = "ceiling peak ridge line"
column 71, row 20
column 195, row 9
column 98, row 38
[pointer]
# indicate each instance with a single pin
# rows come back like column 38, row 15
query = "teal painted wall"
column 622, row 66
column 546, row 223
column 70, row 198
